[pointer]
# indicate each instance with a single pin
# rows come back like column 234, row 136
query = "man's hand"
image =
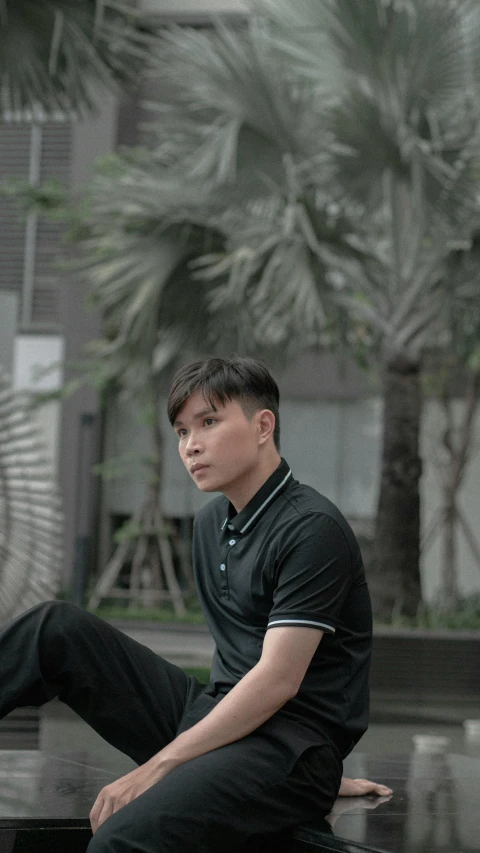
column 124, row 790
column 362, row 787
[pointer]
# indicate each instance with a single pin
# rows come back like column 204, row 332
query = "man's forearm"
column 250, row 703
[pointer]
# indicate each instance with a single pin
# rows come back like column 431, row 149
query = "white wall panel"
column 33, row 352
column 309, row 444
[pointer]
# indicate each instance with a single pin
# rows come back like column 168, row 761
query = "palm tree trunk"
column 449, row 564
column 396, row 582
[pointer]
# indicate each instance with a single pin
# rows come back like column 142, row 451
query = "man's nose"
column 193, row 445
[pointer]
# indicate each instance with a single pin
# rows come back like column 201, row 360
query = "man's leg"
column 128, row 694
column 224, row 800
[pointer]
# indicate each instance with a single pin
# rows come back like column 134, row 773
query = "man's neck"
column 243, row 491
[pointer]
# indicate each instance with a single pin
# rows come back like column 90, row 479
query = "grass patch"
column 153, row 614
column 465, row 617
column 200, row 672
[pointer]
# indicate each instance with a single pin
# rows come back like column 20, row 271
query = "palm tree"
column 53, row 52
column 329, row 152
column 458, row 370
column 401, row 86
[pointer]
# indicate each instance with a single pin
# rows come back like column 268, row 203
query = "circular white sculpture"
column 31, row 518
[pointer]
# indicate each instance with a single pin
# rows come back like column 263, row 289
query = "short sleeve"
column 312, row 574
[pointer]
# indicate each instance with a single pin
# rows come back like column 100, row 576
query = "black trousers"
column 139, row 702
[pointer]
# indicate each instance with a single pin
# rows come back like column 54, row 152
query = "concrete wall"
column 92, row 137
column 8, row 327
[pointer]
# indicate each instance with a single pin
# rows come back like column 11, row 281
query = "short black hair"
column 245, row 379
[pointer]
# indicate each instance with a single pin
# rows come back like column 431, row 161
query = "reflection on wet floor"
column 435, row 807
column 61, row 730
column 396, row 738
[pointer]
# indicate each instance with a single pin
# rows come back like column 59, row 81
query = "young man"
column 281, row 582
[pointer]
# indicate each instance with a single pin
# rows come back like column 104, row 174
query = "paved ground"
column 185, row 645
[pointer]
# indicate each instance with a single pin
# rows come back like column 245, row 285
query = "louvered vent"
column 30, row 511
column 55, row 163
column 15, row 162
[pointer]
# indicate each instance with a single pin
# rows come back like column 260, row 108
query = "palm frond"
column 295, row 202
column 53, row 52
column 31, row 518
column 229, row 94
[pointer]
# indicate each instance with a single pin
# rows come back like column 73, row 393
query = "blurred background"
column 299, row 182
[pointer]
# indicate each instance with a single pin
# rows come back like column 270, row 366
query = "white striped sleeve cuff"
column 310, row 622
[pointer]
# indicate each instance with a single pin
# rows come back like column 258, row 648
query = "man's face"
column 219, row 448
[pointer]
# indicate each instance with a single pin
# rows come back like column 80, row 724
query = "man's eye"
column 209, row 421
column 181, row 433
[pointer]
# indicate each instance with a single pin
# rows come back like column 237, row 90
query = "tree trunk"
column 396, row 581
column 449, row 565
column 151, row 544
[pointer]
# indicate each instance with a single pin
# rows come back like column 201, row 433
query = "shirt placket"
column 231, row 541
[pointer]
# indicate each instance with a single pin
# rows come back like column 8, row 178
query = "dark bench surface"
column 45, row 799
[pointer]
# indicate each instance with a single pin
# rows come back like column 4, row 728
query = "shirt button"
column 222, row 567
column 232, row 541
column 230, row 526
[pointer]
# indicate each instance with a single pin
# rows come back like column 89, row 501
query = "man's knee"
column 52, row 625
column 58, row 617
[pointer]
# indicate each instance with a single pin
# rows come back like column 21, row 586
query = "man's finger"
column 365, row 786
column 361, row 787
column 107, row 810
column 102, row 808
column 95, row 812
column 381, row 790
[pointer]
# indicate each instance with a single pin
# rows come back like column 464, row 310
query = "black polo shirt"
column 288, row 558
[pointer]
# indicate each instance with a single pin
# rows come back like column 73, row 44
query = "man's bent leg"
column 128, row 694
column 224, row 799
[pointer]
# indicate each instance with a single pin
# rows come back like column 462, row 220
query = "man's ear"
column 266, row 423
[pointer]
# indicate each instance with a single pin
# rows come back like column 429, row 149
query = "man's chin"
column 207, row 487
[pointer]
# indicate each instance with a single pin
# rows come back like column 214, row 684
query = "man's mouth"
column 195, row 468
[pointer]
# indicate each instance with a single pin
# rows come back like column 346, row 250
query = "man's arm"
column 276, row 678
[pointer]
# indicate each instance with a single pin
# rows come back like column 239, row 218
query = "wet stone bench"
column 45, row 799
column 20, row 729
